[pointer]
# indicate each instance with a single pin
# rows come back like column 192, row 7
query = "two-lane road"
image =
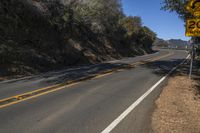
column 92, row 105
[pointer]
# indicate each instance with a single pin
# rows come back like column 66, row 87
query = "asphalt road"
column 89, row 106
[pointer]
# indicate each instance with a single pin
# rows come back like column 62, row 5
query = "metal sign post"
column 191, row 62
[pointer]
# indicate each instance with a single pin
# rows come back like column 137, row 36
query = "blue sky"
column 167, row 25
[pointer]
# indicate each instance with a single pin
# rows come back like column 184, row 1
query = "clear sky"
column 167, row 25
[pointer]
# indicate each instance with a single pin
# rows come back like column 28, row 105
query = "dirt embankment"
column 178, row 108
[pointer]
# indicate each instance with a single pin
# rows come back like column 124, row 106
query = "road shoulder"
column 178, row 107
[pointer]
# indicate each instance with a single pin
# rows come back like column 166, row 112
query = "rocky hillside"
column 42, row 35
column 178, row 43
column 172, row 43
column 160, row 43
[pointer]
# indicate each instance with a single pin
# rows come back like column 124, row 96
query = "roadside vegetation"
column 42, row 35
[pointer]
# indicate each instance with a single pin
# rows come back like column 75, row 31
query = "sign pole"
column 191, row 62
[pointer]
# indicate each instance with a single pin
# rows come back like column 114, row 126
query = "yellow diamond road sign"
column 193, row 7
column 193, row 27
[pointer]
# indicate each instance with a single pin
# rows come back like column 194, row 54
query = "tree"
column 146, row 37
column 179, row 6
column 137, row 34
column 132, row 24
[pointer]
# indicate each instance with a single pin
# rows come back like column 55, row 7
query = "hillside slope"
column 39, row 35
column 172, row 43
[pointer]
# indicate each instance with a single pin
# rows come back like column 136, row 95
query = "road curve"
column 91, row 105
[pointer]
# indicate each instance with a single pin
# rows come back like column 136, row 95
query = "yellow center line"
column 42, row 91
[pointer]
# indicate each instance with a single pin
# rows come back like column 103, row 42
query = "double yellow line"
column 39, row 92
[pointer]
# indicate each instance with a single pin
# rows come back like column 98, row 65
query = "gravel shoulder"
column 178, row 107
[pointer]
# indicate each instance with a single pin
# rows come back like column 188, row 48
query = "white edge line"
column 137, row 102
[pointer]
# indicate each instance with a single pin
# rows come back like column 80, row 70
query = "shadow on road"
column 163, row 67
column 83, row 73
